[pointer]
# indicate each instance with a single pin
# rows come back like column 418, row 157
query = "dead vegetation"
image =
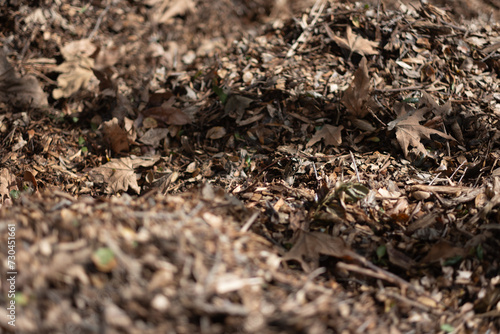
column 302, row 166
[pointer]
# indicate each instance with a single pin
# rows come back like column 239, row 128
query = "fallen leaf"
column 332, row 135
column 7, row 183
column 116, row 136
column 154, row 137
column 104, row 259
column 356, row 96
column 19, row 91
column 409, row 131
column 217, row 132
column 398, row 258
column 309, row 245
column 119, row 174
column 168, row 114
column 164, row 10
column 236, row 105
column 427, row 101
column 76, row 70
column 443, row 250
column 353, row 42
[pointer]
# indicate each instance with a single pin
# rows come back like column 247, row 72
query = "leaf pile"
column 353, row 152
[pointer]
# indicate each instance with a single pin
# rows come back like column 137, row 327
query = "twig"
column 400, row 89
column 99, row 20
column 249, row 222
column 456, row 170
column 305, row 34
column 355, row 167
column 380, row 274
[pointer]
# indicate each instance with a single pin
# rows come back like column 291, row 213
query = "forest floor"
column 229, row 166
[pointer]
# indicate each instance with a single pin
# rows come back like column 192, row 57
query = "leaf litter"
column 306, row 145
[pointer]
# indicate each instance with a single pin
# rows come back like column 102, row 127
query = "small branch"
column 99, row 21
column 305, row 34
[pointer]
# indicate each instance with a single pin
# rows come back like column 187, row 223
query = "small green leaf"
column 447, row 328
column 412, row 100
column 85, row 149
column 104, row 259
column 14, row 194
column 105, row 255
column 480, row 252
column 452, row 260
column 81, row 141
column 381, row 251
column 21, row 298
column 220, row 92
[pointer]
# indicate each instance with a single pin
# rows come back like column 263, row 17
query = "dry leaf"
column 443, row 250
column 154, row 137
column 409, row 131
column 7, row 183
column 358, row 93
column 164, row 10
column 116, row 136
column 236, row 105
column 76, row 71
column 217, row 132
column 119, row 174
column 329, row 133
column 167, row 113
column 19, row 91
column 427, row 101
column 399, row 259
column 309, row 245
column 353, row 42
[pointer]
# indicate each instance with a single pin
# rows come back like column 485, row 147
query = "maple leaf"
column 329, row 133
column 119, row 174
column 409, row 131
column 353, row 42
column 309, row 245
column 358, row 93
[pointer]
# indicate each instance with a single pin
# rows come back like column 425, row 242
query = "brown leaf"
column 427, row 101
column 119, row 174
column 443, row 250
column 116, row 136
column 217, row 132
column 409, row 131
column 164, row 11
column 353, row 42
column 76, row 71
column 19, row 91
column 7, row 183
column 309, row 245
column 329, row 133
column 168, row 114
column 399, row 259
column 358, row 93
